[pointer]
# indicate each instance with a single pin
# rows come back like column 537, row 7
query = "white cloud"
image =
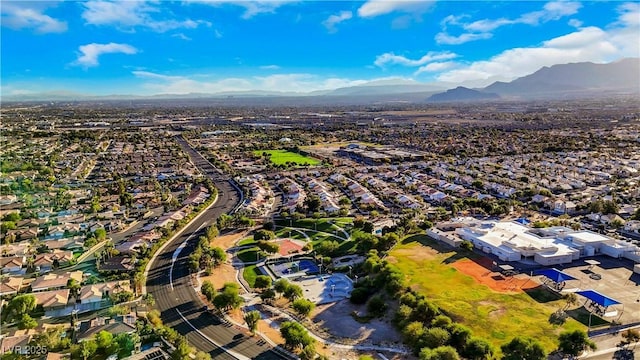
column 333, row 20
column 586, row 44
column 270, row 67
column 481, row 29
column 302, row 83
column 444, row 38
column 252, row 7
column 436, row 67
column 127, row 15
column 30, row 15
column 181, row 36
column 373, row 8
column 575, row 23
column 391, row 58
column 90, row 53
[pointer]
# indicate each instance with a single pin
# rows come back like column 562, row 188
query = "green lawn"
column 279, row 157
column 247, row 241
column 497, row 317
column 250, row 273
column 249, row 255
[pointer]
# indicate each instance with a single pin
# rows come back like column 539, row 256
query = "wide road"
column 176, row 299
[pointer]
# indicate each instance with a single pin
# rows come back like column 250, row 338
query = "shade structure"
column 598, row 298
column 555, row 275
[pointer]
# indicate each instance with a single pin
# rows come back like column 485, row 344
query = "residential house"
column 123, row 324
column 98, row 292
column 55, row 281
column 13, row 265
column 10, row 285
column 46, row 261
column 52, row 299
column 118, row 264
column 18, row 344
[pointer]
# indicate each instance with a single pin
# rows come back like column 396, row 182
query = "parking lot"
column 617, row 281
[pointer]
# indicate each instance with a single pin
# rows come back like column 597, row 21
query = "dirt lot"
column 480, row 270
column 229, row 239
column 336, row 319
column 222, row 274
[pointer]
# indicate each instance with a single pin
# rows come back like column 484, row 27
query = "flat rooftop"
column 514, row 235
column 589, row 237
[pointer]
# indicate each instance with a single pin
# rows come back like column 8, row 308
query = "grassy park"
column 495, row 316
column 281, row 157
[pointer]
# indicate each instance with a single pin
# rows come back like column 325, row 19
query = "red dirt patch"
column 480, row 270
column 288, row 247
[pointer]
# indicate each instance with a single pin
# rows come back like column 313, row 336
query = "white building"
column 511, row 241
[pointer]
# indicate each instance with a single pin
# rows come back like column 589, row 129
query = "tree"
column 74, row 288
column 442, row 321
column 100, row 234
column 523, row 349
column 104, row 339
column 218, row 256
column 359, row 295
column 303, row 306
column 212, row 232
column 439, row 353
column 268, row 295
column 308, row 352
column 312, row 203
column 281, row 285
column 224, row 221
column 182, row 350
column 87, row 348
column 477, row 349
column 435, row 337
column 27, row 322
column 208, row 290
column 19, row 306
column 377, row 306
column 295, row 335
column 228, row 298
column 413, row 333
column 575, row 342
column 262, row 282
column 252, row 318
column 571, row 299
column 126, row 343
column 264, row 235
column 460, row 335
column 292, row 292
column 201, row 355
column 267, row 246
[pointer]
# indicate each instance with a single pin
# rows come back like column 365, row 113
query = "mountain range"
column 572, row 80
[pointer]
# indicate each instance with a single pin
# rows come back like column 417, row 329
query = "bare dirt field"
column 336, row 319
column 494, row 280
column 229, row 239
column 222, row 274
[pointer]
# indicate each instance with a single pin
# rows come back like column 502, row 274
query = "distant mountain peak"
column 574, row 78
column 461, row 94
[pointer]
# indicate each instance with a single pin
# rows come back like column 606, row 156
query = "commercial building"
column 512, row 241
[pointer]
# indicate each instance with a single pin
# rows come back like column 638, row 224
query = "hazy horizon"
column 147, row 48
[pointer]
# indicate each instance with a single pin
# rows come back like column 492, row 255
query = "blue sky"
column 154, row 47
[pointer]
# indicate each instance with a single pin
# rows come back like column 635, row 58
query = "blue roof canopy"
column 598, row 298
column 555, row 275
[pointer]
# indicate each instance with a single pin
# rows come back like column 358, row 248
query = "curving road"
column 180, row 306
